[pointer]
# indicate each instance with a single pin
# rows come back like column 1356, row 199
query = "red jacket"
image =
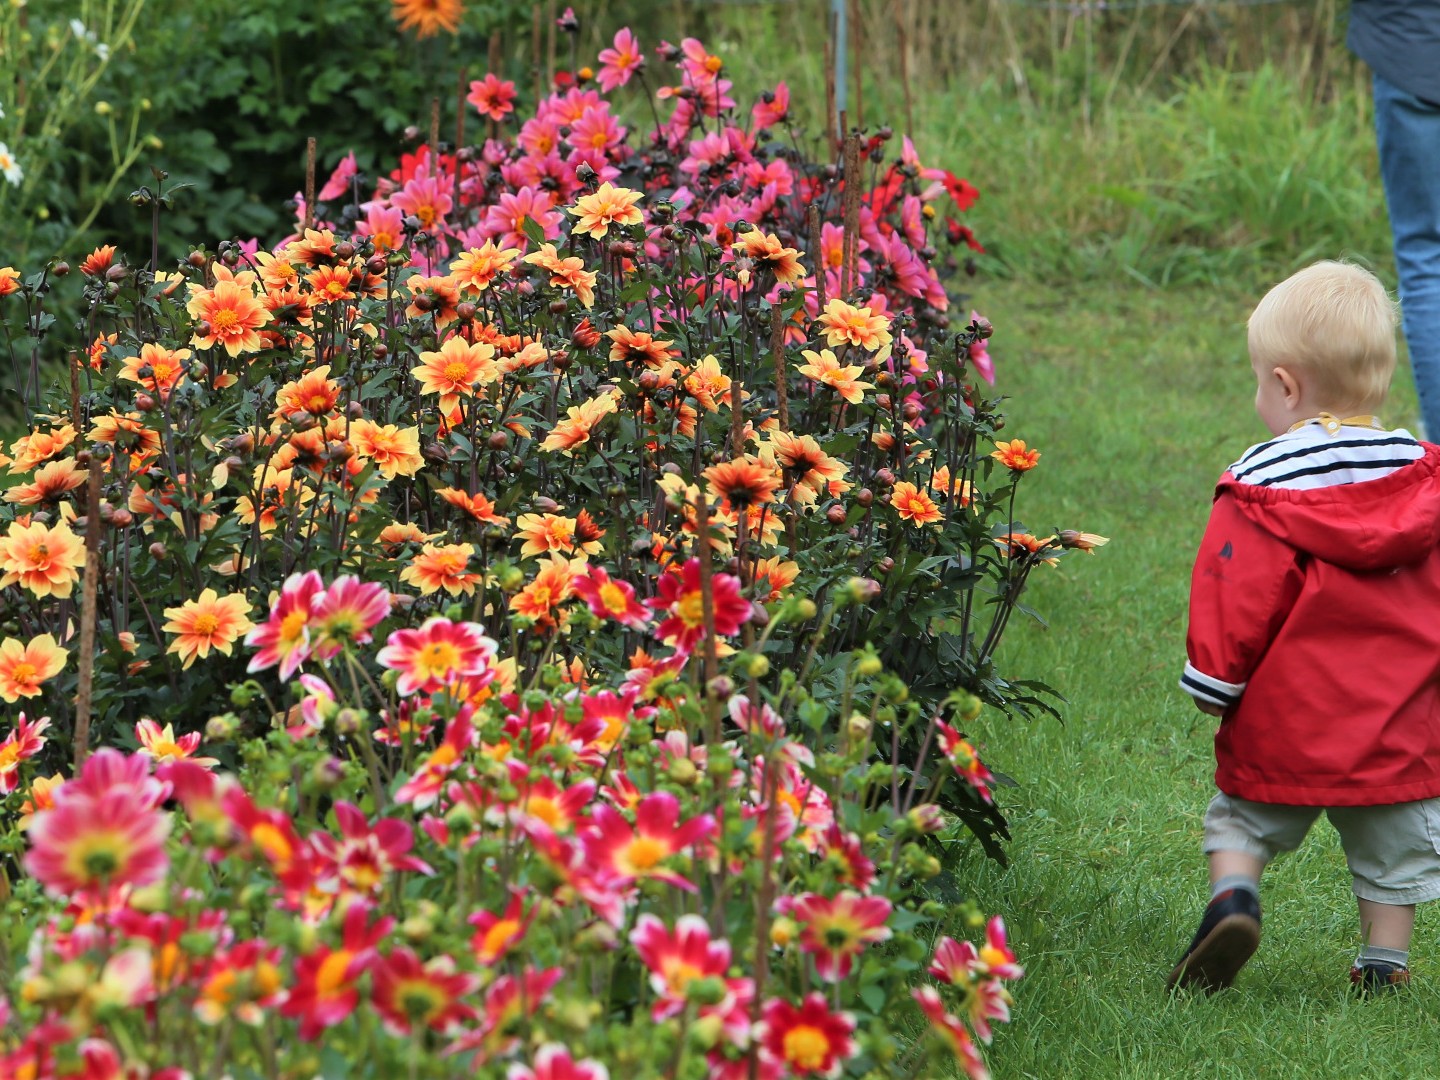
column 1315, row 619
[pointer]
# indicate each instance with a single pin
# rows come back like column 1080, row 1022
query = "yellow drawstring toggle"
column 1332, row 423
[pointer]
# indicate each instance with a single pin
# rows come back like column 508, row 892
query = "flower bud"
column 835, row 515
column 158, row 551
column 223, row 728
column 783, row 931
column 859, row 590
column 722, row 686
column 683, row 771
column 925, row 818
column 858, row 728
column 348, row 721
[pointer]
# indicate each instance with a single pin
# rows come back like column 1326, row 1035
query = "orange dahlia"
column 579, row 422
column 456, row 370
column 609, row 205
column 745, row 481
column 1015, row 457
column 844, row 379
column 395, row 450
column 428, row 17
column 52, row 481
column 477, row 268
column 24, row 667
column 442, row 566
column 210, row 622
column 566, row 273
column 914, row 505
column 44, row 560
column 166, row 368
column 844, row 322
column 228, row 315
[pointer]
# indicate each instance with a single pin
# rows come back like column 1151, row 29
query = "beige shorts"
column 1393, row 851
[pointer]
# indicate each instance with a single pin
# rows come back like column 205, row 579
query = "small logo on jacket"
column 1227, row 551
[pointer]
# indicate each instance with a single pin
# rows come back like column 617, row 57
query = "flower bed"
column 588, row 550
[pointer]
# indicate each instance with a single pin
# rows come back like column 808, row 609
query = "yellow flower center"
column 23, row 674
column 642, row 854
column 273, row 843
column 612, row 597
column 498, row 937
column 691, row 609
column 545, row 809
column 205, row 624
column 293, row 626
column 680, row 974
column 330, row 979
column 95, row 856
column 439, row 656
column 426, row 213
column 806, row 1046
column 457, row 371
column 420, row 1001
column 225, row 321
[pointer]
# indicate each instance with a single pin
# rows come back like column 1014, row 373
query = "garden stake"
column 535, row 52
column 817, row 255
column 309, row 181
column 859, row 70
column 777, row 351
column 460, row 132
column 900, row 23
column 434, row 162
column 93, row 525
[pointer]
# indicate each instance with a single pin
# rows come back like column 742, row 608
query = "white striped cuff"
column 1207, row 688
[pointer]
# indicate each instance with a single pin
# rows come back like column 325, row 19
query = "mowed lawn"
column 1137, row 400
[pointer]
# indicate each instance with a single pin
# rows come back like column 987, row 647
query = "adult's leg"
column 1407, row 131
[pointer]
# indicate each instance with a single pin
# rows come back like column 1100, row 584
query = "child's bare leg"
column 1225, row 864
column 1386, row 926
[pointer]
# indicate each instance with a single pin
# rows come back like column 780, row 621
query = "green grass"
column 1137, row 401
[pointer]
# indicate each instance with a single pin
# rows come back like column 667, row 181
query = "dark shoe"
column 1377, row 977
column 1228, row 936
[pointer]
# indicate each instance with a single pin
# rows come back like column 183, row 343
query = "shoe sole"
column 1213, row 964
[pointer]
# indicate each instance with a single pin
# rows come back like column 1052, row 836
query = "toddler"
column 1315, row 631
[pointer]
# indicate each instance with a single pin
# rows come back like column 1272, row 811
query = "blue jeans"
column 1407, row 130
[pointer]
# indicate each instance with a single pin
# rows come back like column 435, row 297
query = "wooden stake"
column 550, row 44
column 817, row 253
column 435, row 136
column 901, row 9
column 310, row 181
column 851, row 204
column 535, row 53
column 88, row 589
column 494, row 65
column 460, row 131
column 777, row 353
column 830, row 92
column 856, row 54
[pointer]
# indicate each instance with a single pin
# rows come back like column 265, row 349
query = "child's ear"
column 1289, row 386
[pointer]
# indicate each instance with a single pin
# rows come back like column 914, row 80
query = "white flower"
column 10, row 167
column 77, row 28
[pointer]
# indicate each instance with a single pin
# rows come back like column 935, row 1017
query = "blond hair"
column 1334, row 322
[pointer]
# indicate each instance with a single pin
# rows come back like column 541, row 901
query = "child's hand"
column 1207, row 707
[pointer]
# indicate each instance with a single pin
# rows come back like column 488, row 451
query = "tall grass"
column 1171, row 144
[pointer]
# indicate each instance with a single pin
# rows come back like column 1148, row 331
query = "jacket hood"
column 1372, row 525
